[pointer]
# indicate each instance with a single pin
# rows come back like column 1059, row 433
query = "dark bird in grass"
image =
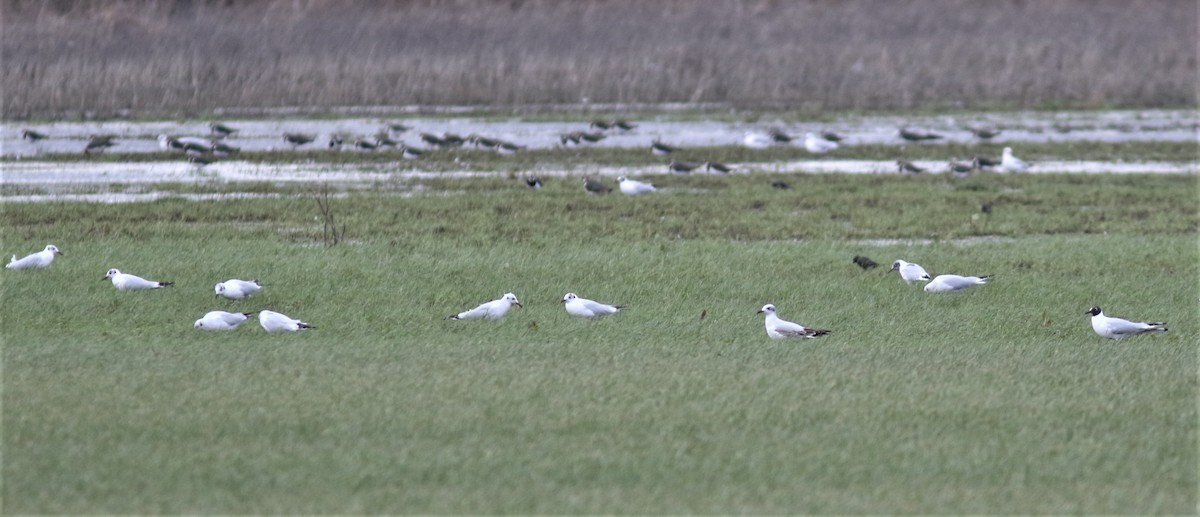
column 482, row 142
column 864, row 262
column 221, row 149
column 433, row 140
column 591, row 137
column 453, row 140
column 336, row 142
column 661, row 149
column 98, row 143
column 571, row 138
column 410, row 153
column 298, row 139
column 907, row 167
column 917, row 135
column 533, row 181
column 623, row 125
column 397, row 127
column 782, row 185
column 592, row 186
column 961, row 169
column 199, row 161
column 32, row 136
column 984, row 133
column 600, row 124
column 682, row 167
column 383, row 140
column 777, row 135
column 503, row 147
column 831, row 136
column 220, row 129
column 986, row 207
column 365, row 145
column 717, row 167
column 983, row 161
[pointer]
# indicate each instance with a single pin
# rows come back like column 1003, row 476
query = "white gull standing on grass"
column 586, row 308
column 782, row 329
column 632, row 188
column 492, row 310
column 951, row 283
column 128, row 282
column 272, row 321
column 1117, row 328
column 235, row 289
column 1010, row 163
column 910, row 271
column 37, row 260
column 817, row 145
column 221, row 320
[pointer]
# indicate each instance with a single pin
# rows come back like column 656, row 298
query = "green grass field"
column 1000, row 399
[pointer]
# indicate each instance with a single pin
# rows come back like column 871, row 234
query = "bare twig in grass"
column 330, row 233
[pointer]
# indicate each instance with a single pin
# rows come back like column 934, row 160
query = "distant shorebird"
column 983, row 161
column 661, row 149
column 98, row 143
column 221, row 149
column 777, row 135
column 682, row 167
column 569, row 139
column 591, row 137
column 298, row 139
column 907, row 167
column 218, row 128
column 199, row 161
column 410, row 153
column 32, row 136
column 781, row 185
column 503, row 147
column 961, row 169
column 600, row 124
column 336, row 141
column 382, row 140
column 717, row 167
column 452, row 140
column 917, row 135
column 984, row 133
column 533, row 181
column 592, row 186
column 623, row 125
column 365, row 145
column 397, row 127
column 831, row 136
column 187, row 144
column 433, row 140
column 482, row 142
column 864, row 262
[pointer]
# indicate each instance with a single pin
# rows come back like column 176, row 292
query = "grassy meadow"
column 1000, row 399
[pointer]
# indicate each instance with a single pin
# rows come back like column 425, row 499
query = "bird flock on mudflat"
column 575, row 305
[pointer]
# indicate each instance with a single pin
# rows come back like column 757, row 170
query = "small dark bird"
column 533, row 181
column 591, row 137
column 961, row 169
column 411, row 154
column 864, row 262
column 778, row 135
column 718, row 167
column 336, row 141
column 397, row 127
column 682, row 167
column 623, row 125
column 986, row 207
column 831, row 136
column 592, row 186
column 661, row 149
column 983, row 161
column 98, row 143
column 382, row 140
column 218, row 128
column 781, row 185
column 600, row 124
column 907, row 167
column 452, row 139
column 32, row 136
column 298, row 139
column 221, row 149
column 482, row 142
column 503, row 147
column 983, row 133
column 917, row 135
column 433, row 140
column 365, row 144
column 199, row 161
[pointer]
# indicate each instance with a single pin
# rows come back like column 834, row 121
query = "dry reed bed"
column 65, row 57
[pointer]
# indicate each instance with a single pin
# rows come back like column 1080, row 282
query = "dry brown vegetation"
column 67, row 57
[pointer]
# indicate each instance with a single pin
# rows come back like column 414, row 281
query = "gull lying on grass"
column 235, row 289
column 37, row 260
column 586, row 308
column 632, row 188
column 756, row 141
column 272, row 321
column 781, row 329
column 1117, row 328
column 127, row 282
column 910, row 272
column 817, row 145
column 492, row 310
column 221, row 320
column 950, row 283
column 1010, row 163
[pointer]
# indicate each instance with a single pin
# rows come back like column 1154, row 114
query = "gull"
column 586, row 308
column 1117, row 328
column 235, row 289
column 1010, row 163
column 272, row 321
column 37, row 260
column 632, row 188
column 864, row 262
column 492, row 310
column 298, row 139
column 781, row 329
column 127, row 282
column 220, row 129
column 661, row 149
column 592, row 186
column 818, row 145
column 221, row 320
column 910, row 272
column 756, row 141
column 951, row 283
